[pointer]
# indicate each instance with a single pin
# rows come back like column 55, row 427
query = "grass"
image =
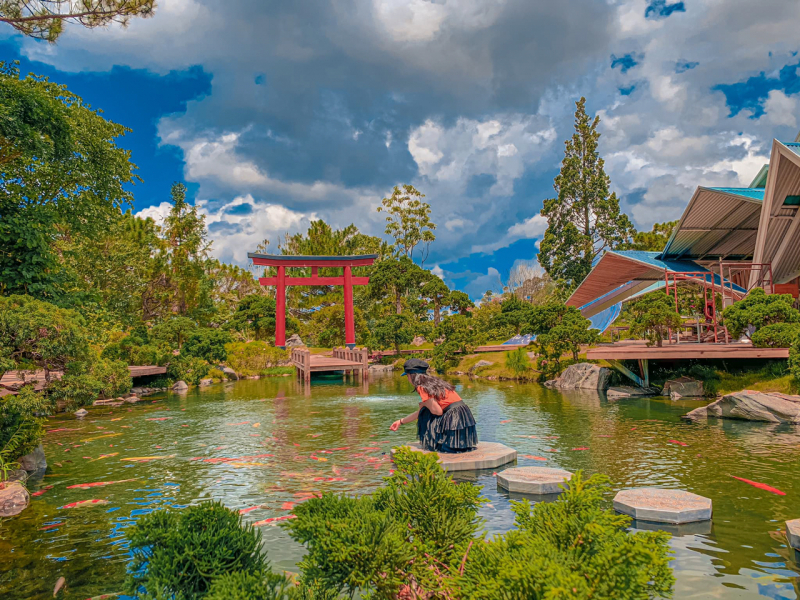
column 760, row 381
column 498, row 369
column 276, row 371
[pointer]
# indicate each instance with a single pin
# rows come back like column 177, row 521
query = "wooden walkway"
column 378, row 354
column 343, row 359
column 638, row 349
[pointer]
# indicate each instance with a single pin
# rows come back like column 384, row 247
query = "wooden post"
column 349, row 319
column 365, row 363
column 280, row 309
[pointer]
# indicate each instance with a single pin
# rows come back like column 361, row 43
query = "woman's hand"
column 395, row 426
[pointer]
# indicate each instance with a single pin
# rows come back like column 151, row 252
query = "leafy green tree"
column 408, row 220
column 518, row 361
column 174, row 331
column 391, row 279
column 45, row 19
column 460, row 303
column 570, row 330
column 584, row 219
column 21, row 423
column 255, row 312
column 189, row 369
column 253, row 358
column 64, row 175
column 86, row 381
column 514, row 313
column 208, row 344
column 758, row 310
column 460, row 335
column 654, row 240
column 777, row 335
column 326, row 326
column 392, row 331
column 652, row 316
column 436, row 292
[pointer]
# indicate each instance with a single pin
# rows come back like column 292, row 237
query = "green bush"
column 208, row 344
column 251, row 358
column 652, row 316
column 187, row 368
column 242, row 585
column 21, row 423
column 759, row 310
column 392, row 331
column 136, row 350
column 460, row 334
column 567, row 330
column 178, row 554
column 518, row 361
column 776, row 335
column 85, row 382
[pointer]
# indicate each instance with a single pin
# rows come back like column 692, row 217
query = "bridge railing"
column 359, row 355
column 301, row 357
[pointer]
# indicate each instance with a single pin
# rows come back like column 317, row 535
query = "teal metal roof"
column 752, row 193
column 793, row 146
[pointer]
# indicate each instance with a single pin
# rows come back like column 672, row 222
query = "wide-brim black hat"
column 415, row 365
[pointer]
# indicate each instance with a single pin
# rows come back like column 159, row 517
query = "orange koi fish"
column 86, row 486
column 83, row 503
column 42, row 491
column 676, row 442
column 534, row 457
column 146, row 458
column 273, row 520
column 761, row 486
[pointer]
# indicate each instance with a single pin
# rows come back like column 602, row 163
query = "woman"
column 444, row 422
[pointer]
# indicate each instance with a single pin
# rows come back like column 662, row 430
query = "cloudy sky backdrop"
column 276, row 112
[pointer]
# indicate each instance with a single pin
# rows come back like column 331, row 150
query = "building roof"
column 289, row 260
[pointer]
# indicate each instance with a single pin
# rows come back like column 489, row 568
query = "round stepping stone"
column 663, row 506
column 793, row 533
column 488, row 455
column 533, row 480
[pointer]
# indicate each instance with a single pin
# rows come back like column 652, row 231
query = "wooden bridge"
column 344, row 359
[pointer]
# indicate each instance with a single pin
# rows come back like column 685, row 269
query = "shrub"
column 85, row 382
column 21, row 423
column 776, row 335
column 187, row 368
column 759, row 310
column 208, row 344
column 568, row 330
column 392, row 331
column 180, row 553
column 652, row 316
column 460, row 335
column 251, row 358
column 136, row 350
column 173, row 331
column 518, row 361
column 215, row 373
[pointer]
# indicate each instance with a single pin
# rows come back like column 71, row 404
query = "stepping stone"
column 675, row 530
column 793, row 533
column 488, row 455
column 533, row 480
column 663, row 506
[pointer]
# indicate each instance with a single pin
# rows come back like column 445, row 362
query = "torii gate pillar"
column 281, row 281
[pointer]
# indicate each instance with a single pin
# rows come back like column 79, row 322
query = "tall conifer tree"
column 584, row 218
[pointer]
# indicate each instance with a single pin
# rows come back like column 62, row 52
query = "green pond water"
column 263, row 445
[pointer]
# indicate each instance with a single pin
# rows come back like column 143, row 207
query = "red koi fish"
column 159, row 419
column 761, row 486
column 506, row 421
column 42, row 491
column 534, row 457
column 273, row 520
column 244, row 511
column 61, row 429
column 287, row 506
column 342, row 448
column 581, row 448
column 370, row 448
column 86, row 486
column 51, row 526
column 676, row 442
column 234, row 424
column 83, row 503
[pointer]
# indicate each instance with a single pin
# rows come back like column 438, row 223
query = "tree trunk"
column 436, row 313
column 398, row 303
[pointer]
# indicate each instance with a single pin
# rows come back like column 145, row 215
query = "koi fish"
column 534, row 457
column 314, row 435
column 42, row 491
column 118, row 419
column 100, row 437
column 146, row 458
column 60, row 583
column 338, row 449
column 761, row 486
column 86, row 486
column 105, row 456
column 60, row 429
column 287, row 506
column 273, row 520
column 678, row 443
column 234, row 424
column 581, row 448
column 370, row 448
column 256, row 424
column 158, row 419
column 244, row 511
column 83, row 503
column 51, row 526
column 319, row 458
column 506, row 421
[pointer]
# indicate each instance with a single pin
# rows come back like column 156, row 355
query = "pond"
column 261, row 446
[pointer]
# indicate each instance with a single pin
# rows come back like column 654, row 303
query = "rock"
column 14, row 498
column 294, row 341
column 418, row 340
column 229, row 372
column 107, row 402
column 581, row 376
column 487, row 455
column 18, row 475
column 663, row 506
column 82, row 412
column 180, row 386
column 381, row 368
column 206, row 382
column 793, row 533
column 533, row 480
column 138, row 391
column 35, row 461
column 627, row 391
column 133, row 399
column 683, row 387
column 749, row 405
column 479, row 364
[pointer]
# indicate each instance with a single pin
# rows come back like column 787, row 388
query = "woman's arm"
column 409, row 419
column 432, row 405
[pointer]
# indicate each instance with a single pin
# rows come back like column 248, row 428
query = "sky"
column 275, row 113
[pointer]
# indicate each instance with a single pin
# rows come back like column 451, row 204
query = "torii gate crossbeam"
column 281, row 281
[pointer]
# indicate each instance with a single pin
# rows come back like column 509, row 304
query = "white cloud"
column 780, row 109
column 157, row 212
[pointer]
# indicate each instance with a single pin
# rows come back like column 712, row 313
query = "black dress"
column 452, row 431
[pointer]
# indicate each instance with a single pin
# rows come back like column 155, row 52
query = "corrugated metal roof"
column 754, row 193
column 793, row 146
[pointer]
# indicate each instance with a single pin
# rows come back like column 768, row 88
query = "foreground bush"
column 758, row 310
column 251, row 358
column 21, row 423
column 777, row 335
column 85, row 382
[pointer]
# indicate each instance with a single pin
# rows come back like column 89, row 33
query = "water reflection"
column 263, row 446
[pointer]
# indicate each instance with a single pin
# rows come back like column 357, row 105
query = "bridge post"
column 280, row 309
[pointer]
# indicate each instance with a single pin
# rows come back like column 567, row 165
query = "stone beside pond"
column 488, row 455
column 682, row 387
column 581, row 376
column 752, row 406
column 533, row 480
column 793, row 533
column 663, row 505
column 14, row 498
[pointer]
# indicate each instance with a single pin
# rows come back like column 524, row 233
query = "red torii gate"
column 281, row 262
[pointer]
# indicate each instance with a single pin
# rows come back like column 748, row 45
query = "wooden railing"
column 359, row 355
column 301, row 357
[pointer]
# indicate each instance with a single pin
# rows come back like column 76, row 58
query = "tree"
column 326, row 326
column 460, row 303
column 584, row 219
column 255, row 311
column 515, row 313
column 652, row 316
column 393, row 330
column 758, row 310
column 530, row 283
column 460, row 335
column 437, row 293
column 394, row 277
column 208, row 344
column 408, row 220
column 174, row 331
column 63, row 176
column 569, row 331
column 655, row 240
column 44, row 19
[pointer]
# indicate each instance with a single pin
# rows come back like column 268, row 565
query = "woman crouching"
column 444, row 422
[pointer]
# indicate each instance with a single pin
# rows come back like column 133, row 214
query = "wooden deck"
column 343, row 359
column 638, row 350
column 13, row 380
column 376, row 355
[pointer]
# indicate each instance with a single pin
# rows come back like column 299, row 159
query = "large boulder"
column 627, row 391
column 480, row 364
column 683, row 387
column 206, row 382
column 229, row 372
column 35, row 461
column 418, row 340
column 14, row 498
column 81, row 412
column 294, row 341
column 749, row 405
column 180, row 386
column 582, row 376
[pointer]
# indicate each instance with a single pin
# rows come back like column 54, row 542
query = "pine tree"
column 584, row 218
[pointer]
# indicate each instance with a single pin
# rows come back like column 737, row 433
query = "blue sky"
column 275, row 113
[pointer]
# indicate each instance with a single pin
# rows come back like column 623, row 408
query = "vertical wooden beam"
column 349, row 319
column 280, row 309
